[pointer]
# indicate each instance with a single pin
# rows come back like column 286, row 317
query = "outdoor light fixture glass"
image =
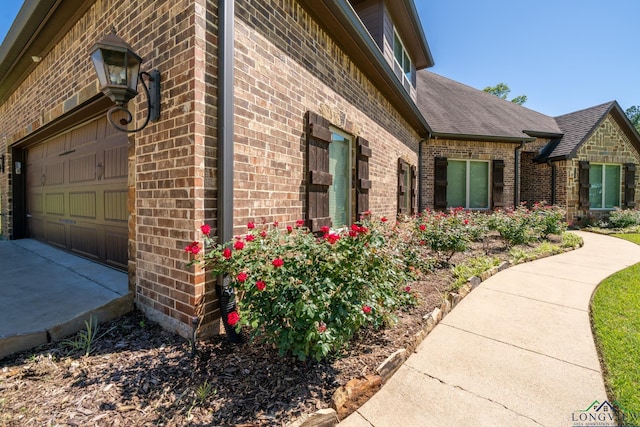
column 118, row 69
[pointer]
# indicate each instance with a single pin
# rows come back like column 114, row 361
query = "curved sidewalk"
column 517, row 351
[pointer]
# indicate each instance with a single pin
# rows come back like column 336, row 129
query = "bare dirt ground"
column 141, row 375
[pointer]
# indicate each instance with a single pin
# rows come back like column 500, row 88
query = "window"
column 340, row 165
column 402, row 58
column 604, row 191
column 468, row 184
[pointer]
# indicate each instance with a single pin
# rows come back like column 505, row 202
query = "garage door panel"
column 82, row 169
column 54, row 174
column 115, row 203
column 77, row 194
column 56, row 234
column 83, row 205
column 54, row 203
column 84, row 241
column 114, row 241
column 115, row 163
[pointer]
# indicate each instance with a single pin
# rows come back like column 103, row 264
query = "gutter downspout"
column 553, row 181
column 516, row 178
column 420, row 170
column 226, row 30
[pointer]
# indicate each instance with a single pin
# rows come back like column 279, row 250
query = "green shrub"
column 516, row 226
column 308, row 295
column 472, row 267
column 623, row 218
column 549, row 219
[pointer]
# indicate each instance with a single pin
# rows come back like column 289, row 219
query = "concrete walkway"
column 517, row 351
column 47, row 294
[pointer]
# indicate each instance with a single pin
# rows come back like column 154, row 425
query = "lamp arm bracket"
column 153, row 104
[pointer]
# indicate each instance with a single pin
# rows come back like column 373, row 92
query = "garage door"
column 77, row 192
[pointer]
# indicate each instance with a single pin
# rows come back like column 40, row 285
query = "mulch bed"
column 139, row 374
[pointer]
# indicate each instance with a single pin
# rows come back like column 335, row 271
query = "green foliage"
column 522, row 226
column 308, row 295
column 472, row 267
column 623, row 218
column 633, row 113
column 570, row 240
column 501, row 90
column 85, row 339
column 615, row 312
column 448, row 233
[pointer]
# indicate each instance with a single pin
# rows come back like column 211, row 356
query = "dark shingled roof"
column 452, row 108
column 578, row 127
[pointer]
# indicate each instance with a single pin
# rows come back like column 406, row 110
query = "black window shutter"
column 630, row 185
column 403, row 170
column 583, row 181
column 318, row 140
column 497, row 184
column 440, row 183
column 414, row 192
column 363, row 184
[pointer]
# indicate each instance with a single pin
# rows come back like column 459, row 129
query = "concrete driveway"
column 47, row 294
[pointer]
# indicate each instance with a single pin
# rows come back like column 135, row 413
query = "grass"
column 615, row 311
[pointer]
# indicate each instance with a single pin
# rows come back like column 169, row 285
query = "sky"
column 564, row 55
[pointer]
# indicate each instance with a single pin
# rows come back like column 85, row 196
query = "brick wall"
column 466, row 150
column 171, row 162
column 535, row 178
column 286, row 65
column 608, row 144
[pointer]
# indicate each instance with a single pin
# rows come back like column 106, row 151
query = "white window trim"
column 348, row 209
column 604, row 193
column 468, row 182
column 405, row 52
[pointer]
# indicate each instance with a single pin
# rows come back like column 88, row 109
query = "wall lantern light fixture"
column 2, row 158
column 118, row 69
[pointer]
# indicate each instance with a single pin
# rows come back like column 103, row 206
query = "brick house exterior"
column 73, row 181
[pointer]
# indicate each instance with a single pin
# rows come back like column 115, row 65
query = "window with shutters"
column 605, row 184
column 338, row 175
column 406, row 188
column 341, row 196
column 467, row 184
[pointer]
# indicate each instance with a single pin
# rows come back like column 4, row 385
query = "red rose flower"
column 289, row 229
column 277, row 263
column 366, row 309
column 232, row 318
column 242, row 277
column 239, row 244
column 263, row 233
column 423, row 227
column 324, row 229
column 322, row 327
column 193, row 248
column 332, row 238
column 250, row 238
column 353, row 233
column 466, row 222
column 384, row 219
column 251, row 225
column 300, row 223
column 206, row 229
column 226, row 253
column 408, row 289
column 261, row 285
column 275, row 223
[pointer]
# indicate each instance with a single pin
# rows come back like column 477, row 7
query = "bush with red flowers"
column 308, row 294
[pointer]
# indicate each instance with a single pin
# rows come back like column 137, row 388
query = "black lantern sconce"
column 118, row 69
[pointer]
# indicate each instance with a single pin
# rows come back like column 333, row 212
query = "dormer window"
column 402, row 60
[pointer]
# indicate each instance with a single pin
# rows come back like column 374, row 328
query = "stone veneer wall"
column 608, row 144
column 171, row 162
column 464, row 150
column 286, row 64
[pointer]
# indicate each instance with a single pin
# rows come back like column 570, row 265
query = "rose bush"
column 308, row 294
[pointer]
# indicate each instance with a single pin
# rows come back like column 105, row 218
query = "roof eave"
column 417, row 40
column 541, row 134
column 341, row 21
column 487, row 138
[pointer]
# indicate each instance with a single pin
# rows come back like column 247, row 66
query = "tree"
column 501, row 90
column 634, row 116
